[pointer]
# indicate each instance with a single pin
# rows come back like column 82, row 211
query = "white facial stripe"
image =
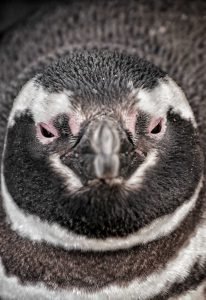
column 138, row 176
column 157, row 101
column 198, row 294
column 142, row 288
column 35, row 229
column 70, row 178
column 43, row 106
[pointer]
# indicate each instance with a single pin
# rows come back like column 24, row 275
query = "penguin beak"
column 106, row 145
column 96, row 156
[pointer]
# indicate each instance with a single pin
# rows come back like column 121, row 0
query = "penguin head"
column 101, row 143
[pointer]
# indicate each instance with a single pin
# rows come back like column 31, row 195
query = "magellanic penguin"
column 102, row 185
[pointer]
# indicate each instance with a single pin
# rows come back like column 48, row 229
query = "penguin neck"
column 35, row 229
column 26, row 259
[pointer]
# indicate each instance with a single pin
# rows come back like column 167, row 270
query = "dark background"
column 13, row 11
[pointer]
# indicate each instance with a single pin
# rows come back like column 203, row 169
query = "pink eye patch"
column 74, row 123
column 130, row 119
column 157, row 127
column 46, row 133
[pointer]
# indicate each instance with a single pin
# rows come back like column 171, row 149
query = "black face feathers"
column 103, row 89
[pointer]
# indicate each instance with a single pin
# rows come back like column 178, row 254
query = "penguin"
column 102, row 184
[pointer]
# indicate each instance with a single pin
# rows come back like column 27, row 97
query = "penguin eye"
column 46, row 133
column 156, row 126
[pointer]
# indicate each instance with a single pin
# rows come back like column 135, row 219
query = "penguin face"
column 102, row 144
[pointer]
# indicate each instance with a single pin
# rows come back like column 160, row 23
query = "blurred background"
column 12, row 12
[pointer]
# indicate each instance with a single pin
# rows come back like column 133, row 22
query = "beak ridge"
column 106, row 144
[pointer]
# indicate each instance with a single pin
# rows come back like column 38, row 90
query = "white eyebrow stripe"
column 166, row 94
column 54, row 104
column 23, row 100
column 43, row 105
